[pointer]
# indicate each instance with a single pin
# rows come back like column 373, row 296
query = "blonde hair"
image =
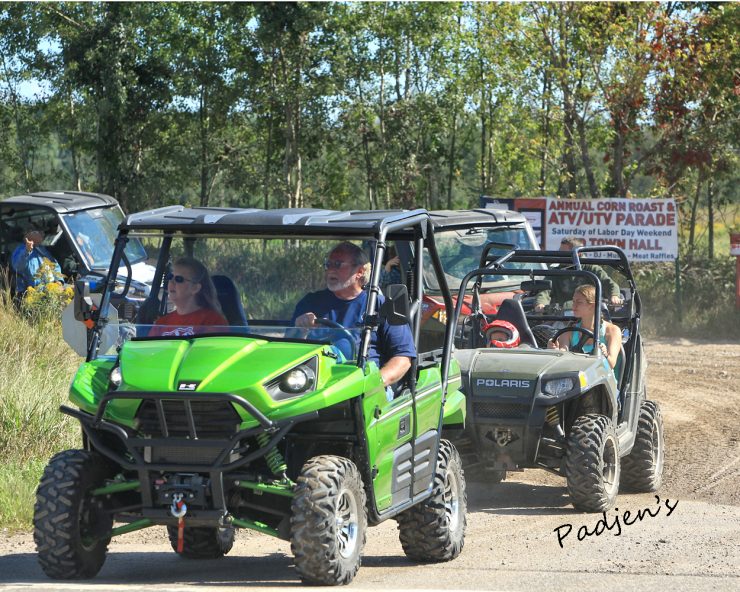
column 588, row 291
column 206, row 296
column 359, row 257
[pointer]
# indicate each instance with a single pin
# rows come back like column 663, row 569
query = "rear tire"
column 328, row 521
column 434, row 530
column 71, row 529
column 203, row 542
column 592, row 463
column 642, row 468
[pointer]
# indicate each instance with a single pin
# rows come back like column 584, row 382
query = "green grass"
column 18, row 493
column 36, row 368
column 707, row 305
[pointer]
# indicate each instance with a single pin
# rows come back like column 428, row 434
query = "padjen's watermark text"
column 614, row 522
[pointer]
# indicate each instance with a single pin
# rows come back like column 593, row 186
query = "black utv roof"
column 63, row 201
column 452, row 219
column 283, row 222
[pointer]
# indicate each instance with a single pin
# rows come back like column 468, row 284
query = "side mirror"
column 83, row 303
column 395, row 309
column 536, row 285
column 76, row 333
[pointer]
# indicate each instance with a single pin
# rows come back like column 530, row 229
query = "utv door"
column 406, row 434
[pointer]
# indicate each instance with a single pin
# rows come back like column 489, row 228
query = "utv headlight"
column 297, row 381
column 115, row 377
column 558, row 386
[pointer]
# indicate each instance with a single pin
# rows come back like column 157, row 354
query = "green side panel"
column 397, row 426
column 455, row 409
column 91, row 383
column 454, row 414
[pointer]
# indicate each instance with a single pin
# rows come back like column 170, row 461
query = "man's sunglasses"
column 334, row 264
column 179, row 279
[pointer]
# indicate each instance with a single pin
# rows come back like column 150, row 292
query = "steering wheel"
column 578, row 347
column 334, row 325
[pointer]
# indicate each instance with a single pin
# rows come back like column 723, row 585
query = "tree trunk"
column 546, row 103
column 694, row 207
column 617, row 168
column 451, row 169
column 203, row 127
column 588, row 168
column 710, row 223
column 569, row 111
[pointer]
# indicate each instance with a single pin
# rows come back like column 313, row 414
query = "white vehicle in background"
column 80, row 229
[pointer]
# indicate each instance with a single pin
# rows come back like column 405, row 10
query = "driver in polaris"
column 343, row 301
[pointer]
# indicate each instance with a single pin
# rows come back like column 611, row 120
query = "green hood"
column 236, row 365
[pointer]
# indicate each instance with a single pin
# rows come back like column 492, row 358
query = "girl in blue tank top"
column 610, row 337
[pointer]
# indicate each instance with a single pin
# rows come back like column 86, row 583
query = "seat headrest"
column 228, row 298
column 511, row 310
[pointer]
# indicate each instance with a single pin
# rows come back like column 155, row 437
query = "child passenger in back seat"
column 501, row 333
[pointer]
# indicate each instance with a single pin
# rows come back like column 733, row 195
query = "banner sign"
column 645, row 229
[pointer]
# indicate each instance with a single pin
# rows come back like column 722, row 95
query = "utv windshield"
column 94, row 233
column 460, row 252
column 254, row 287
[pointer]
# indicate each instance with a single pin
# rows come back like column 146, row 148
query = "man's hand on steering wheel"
column 306, row 320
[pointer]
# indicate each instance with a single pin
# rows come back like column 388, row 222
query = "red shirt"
column 176, row 325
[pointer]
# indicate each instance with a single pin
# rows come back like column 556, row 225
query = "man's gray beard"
column 335, row 285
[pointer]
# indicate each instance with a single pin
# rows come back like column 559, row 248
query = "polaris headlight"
column 558, row 386
column 297, row 381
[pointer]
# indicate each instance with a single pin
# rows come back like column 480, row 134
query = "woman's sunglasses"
column 179, row 279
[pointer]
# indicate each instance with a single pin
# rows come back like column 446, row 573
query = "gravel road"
column 522, row 533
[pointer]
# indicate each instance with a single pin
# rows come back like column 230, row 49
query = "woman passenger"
column 196, row 305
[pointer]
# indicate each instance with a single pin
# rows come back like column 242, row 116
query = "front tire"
column 434, row 530
column 592, row 463
column 328, row 521
column 642, row 468
column 71, row 529
column 203, row 542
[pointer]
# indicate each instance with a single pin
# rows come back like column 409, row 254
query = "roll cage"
column 379, row 227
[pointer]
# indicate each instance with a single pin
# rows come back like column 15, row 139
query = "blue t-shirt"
column 27, row 264
column 385, row 343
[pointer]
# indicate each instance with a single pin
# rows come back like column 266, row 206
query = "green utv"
column 258, row 424
column 568, row 412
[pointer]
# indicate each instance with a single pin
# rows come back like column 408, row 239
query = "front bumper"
column 506, row 431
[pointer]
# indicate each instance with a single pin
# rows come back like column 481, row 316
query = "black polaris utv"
column 567, row 412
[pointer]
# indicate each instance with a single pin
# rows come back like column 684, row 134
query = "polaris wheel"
column 435, row 529
column 71, row 528
column 592, row 463
column 203, row 542
column 642, row 469
column 328, row 521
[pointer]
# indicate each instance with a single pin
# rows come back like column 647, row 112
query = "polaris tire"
column 203, row 542
column 434, row 530
column 71, row 529
column 328, row 521
column 592, row 463
column 642, row 468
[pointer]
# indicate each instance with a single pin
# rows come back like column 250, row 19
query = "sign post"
column 735, row 250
